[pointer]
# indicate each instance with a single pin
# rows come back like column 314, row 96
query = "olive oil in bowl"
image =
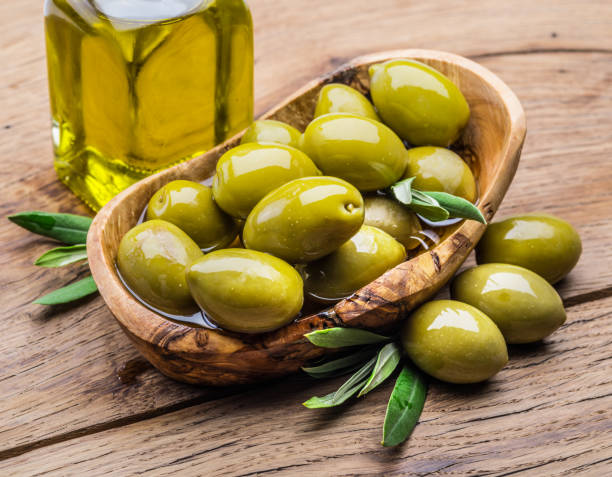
column 139, row 85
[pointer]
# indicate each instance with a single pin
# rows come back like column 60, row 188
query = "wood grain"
column 58, row 374
column 548, row 411
column 494, row 137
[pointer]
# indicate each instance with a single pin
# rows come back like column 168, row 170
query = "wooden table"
column 76, row 398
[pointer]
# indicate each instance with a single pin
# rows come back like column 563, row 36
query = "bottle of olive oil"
column 139, row 85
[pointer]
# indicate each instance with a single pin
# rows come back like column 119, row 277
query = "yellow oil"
column 139, row 85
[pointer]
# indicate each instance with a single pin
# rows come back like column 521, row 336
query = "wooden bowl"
column 493, row 138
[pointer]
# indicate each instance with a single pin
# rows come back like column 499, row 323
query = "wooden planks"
column 59, row 368
column 550, row 409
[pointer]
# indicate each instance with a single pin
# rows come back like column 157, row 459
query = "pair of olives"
column 294, row 202
column 502, row 300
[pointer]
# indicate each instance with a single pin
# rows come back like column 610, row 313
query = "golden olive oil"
column 139, row 85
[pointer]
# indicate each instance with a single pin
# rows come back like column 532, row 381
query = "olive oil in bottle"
column 139, row 85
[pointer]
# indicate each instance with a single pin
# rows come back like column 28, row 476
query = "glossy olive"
column 152, row 259
column 440, row 169
column 362, row 259
column 304, row 219
column 362, row 151
column 246, row 291
column 190, row 206
column 418, row 102
column 393, row 218
column 454, row 342
column 248, row 172
column 269, row 130
column 542, row 243
column 339, row 98
column 524, row 306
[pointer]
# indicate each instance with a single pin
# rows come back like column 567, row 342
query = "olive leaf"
column 427, row 207
column 67, row 228
column 457, row 206
column 60, row 256
column 340, row 366
column 404, row 407
column 69, row 293
column 388, row 358
column 402, row 190
column 340, row 337
column 344, row 392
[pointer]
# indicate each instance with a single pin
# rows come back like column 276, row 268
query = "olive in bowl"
column 340, row 98
column 304, row 219
column 152, row 259
column 418, row 102
column 359, row 150
column 189, row 205
column 246, row 291
column 248, row 172
column 270, row 130
column 363, row 258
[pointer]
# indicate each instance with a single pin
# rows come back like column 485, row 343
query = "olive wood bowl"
column 492, row 142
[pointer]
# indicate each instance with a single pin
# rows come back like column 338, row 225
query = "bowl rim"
column 151, row 329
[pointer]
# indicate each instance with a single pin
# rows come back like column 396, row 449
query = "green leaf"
column 72, row 292
column 427, row 207
column 60, row 256
column 402, row 190
column 339, row 337
column 340, row 366
column 457, row 206
column 344, row 392
column 405, row 407
column 67, row 228
column 388, row 359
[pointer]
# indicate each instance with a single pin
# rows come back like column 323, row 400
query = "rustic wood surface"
column 65, row 410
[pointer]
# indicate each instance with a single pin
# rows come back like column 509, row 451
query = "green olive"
column 248, row 172
column 339, row 98
column 152, row 259
column 359, row 150
column 440, row 169
column 190, row 206
column 524, row 306
column 304, row 219
column 246, row 291
column 269, row 130
column 418, row 102
column 366, row 256
column 454, row 342
column 392, row 217
column 544, row 244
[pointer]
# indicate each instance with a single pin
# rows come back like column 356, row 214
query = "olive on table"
column 454, row 342
column 363, row 258
column 524, row 306
column 544, row 244
column 248, row 172
column 190, row 206
column 418, row 102
column 440, row 169
column 359, row 150
column 304, row 219
column 152, row 259
column 270, row 130
column 246, row 291
column 340, row 98
column 393, row 218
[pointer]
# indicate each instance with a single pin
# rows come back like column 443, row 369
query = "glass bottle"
column 139, row 85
